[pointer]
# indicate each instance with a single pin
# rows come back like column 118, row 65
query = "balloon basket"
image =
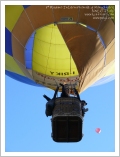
column 67, row 120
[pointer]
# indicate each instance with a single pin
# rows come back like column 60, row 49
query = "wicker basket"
column 67, row 120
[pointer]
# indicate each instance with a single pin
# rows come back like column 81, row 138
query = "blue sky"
column 27, row 129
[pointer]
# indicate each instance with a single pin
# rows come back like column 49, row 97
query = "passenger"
column 65, row 93
column 65, row 90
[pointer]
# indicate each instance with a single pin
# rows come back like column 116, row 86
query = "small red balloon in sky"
column 98, row 130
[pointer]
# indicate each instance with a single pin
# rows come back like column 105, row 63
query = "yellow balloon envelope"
column 48, row 45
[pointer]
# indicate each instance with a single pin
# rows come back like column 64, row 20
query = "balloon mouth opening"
column 52, row 74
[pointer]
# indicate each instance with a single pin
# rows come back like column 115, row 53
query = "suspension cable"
column 78, row 15
column 29, row 19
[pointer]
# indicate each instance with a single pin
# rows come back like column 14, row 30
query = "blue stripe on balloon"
column 92, row 29
column 8, row 43
column 26, row 6
column 104, row 80
column 104, row 6
column 28, row 52
column 102, row 41
column 22, row 79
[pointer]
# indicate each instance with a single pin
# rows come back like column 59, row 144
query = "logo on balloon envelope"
column 66, row 19
column 52, row 80
column 62, row 73
column 61, row 79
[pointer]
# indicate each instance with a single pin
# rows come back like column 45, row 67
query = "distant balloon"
column 98, row 130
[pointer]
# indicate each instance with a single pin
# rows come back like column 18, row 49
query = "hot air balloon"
column 98, row 130
column 48, row 45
